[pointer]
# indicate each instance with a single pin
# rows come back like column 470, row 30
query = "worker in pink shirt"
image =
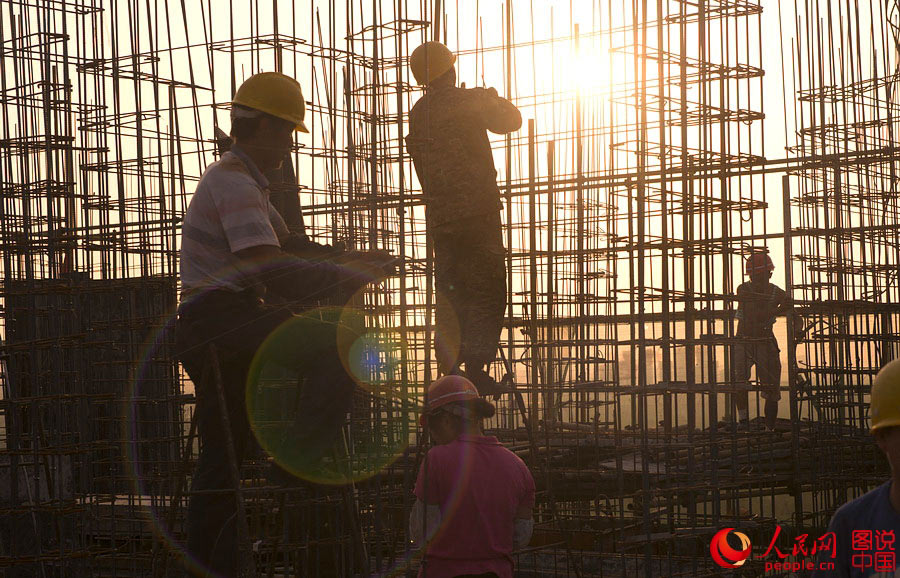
column 474, row 497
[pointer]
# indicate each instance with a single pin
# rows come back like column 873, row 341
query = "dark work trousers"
column 766, row 356
column 238, row 324
column 470, row 278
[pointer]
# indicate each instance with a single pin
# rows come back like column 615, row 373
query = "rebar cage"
column 642, row 178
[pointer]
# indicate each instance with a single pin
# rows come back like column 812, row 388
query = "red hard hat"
column 446, row 390
column 757, row 263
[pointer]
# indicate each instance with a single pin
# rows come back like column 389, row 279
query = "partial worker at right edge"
column 865, row 530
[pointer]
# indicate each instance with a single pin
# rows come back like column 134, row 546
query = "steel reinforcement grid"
column 663, row 142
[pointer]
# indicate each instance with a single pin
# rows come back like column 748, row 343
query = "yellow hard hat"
column 430, row 61
column 276, row 94
column 885, row 399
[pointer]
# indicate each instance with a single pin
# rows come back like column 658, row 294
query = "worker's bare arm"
column 500, row 115
column 523, row 525
column 286, row 275
column 423, row 521
column 784, row 305
column 741, row 298
column 259, row 253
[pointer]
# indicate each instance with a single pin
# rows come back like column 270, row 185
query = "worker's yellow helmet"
column 430, row 61
column 885, row 400
column 276, row 94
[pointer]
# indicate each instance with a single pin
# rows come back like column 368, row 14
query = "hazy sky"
column 545, row 80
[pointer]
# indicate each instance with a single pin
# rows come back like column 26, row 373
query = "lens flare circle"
column 371, row 355
column 298, row 416
column 726, row 556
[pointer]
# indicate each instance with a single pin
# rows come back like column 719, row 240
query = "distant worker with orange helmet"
column 875, row 516
column 759, row 302
column 452, row 154
column 233, row 263
column 474, row 497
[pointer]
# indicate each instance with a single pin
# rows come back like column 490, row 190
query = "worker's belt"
column 212, row 301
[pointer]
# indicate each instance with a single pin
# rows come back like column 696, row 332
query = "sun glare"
column 587, row 67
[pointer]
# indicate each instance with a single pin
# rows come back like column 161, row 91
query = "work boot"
column 739, row 426
column 485, row 384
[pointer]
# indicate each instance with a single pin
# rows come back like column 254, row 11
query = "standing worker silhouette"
column 451, row 151
column 759, row 302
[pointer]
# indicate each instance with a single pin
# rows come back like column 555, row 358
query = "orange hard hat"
column 446, row 390
column 758, row 263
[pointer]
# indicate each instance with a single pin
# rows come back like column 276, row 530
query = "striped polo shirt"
column 229, row 211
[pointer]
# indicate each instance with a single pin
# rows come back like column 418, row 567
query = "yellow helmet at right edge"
column 430, row 61
column 885, row 399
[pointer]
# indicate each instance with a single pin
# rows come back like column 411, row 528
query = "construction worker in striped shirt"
column 233, row 262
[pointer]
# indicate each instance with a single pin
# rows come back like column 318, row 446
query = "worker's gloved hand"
column 379, row 263
column 305, row 248
column 385, row 261
column 489, row 101
column 362, row 268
